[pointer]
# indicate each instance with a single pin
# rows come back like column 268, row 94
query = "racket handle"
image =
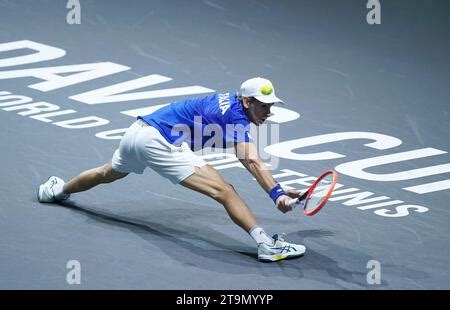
column 298, row 201
column 294, row 203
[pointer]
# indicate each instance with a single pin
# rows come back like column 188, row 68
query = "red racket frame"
column 313, row 186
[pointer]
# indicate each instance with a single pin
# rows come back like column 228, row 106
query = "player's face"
column 259, row 111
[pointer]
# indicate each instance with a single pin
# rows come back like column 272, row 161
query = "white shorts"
column 143, row 146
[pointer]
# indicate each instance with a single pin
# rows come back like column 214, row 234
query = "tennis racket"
column 317, row 195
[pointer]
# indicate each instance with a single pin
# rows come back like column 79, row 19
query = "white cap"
column 261, row 89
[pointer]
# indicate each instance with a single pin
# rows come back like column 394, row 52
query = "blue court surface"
column 370, row 101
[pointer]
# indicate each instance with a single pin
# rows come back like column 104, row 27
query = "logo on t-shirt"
column 224, row 102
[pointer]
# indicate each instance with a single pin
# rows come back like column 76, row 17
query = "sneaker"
column 279, row 250
column 46, row 191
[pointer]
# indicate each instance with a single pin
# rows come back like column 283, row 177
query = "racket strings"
column 319, row 193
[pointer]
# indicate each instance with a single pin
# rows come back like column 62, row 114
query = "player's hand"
column 283, row 203
column 293, row 193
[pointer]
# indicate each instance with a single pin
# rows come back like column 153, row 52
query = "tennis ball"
column 266, row 89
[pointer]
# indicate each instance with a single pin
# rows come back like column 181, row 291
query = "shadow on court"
column 193, row 243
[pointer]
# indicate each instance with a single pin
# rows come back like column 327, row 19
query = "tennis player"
column 165, row 141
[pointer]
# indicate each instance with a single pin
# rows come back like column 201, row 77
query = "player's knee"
column 105, row 174
column 223, row 192
column 100, row 174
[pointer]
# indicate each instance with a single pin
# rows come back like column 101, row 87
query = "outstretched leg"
column 55, row 189
column 208, row 181
column 93, row 177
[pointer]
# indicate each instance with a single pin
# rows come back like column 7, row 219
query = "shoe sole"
column 275, row 258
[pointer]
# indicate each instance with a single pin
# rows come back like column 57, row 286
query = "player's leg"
column 208, row 181
column 181, row 166
column 93, row 177
column 122, row 163
column 55, row 189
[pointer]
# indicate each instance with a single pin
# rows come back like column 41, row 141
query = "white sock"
column 259, row 235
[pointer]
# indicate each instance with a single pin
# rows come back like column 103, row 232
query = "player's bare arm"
column 247, row 153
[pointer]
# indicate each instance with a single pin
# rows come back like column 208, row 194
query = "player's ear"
column 246, row 102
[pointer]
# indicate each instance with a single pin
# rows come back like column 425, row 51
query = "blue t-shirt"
column 211, row 121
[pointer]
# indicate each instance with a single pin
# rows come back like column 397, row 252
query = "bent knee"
column 108, row 175
column 223, row 192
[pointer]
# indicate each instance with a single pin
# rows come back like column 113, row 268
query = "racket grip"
column 294, row 203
